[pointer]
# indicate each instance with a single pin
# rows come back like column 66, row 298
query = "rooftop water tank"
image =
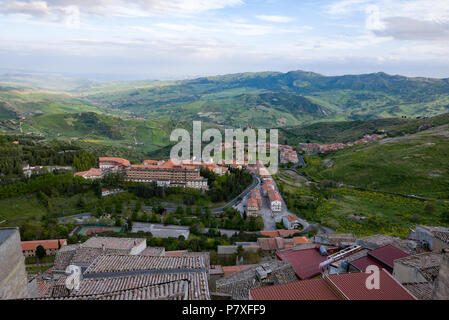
column 323, row 251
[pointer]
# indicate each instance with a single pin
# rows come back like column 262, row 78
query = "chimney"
column 441, row 287
column 102, row 246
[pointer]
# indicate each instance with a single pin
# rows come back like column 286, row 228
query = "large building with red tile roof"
column 344, row 286
column 112, row 164
column 51, row 246
column 169, row 173
column 92, row 173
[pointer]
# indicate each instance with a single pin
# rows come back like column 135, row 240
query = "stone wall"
column 441, row 289
column 13, row 276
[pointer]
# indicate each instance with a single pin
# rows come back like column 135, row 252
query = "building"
column 170, row 173
column 219, row 170
column 51, row 246
column 423, row 267
column 139, row 277
column 84, row 254
column 267, row 187
column 13, row 276
column 275, row 201
column 113, row 164
column 345, row 286
column 92, row 173
column 291, row 221
column 434, row 238
column 252, row 207
column 335, row 239
column 237, row 285
column 107, row 192
column 305, row 262
column 382, row 257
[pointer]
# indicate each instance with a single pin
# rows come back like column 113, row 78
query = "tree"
column 40, row 252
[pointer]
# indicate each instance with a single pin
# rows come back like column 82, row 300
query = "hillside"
column 414, row 164
column 346, row 131
column 107, row 133
column 277, row 99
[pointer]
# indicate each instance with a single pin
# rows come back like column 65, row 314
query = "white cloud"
column 280, row 19
column 69, row 11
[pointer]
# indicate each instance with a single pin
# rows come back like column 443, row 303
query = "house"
column 275, row 201
column 335, row 239
column 305, row 262
column 252, row 207
column 434, row 238
column 92, row 173
column 345, row 286
column 51, row 246
column 423, row 267
column 238, row 284
column 107, row 192
column 291, row 221
column 382, row 257
column 267, row 187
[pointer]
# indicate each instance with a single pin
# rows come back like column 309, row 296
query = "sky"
column 175, row 39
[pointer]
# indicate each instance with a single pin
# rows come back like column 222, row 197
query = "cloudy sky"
column 184, row 38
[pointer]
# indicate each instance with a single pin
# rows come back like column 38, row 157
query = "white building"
column 291, row 221
column 275, row 201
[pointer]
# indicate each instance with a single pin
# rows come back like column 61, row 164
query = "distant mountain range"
column 264, row 99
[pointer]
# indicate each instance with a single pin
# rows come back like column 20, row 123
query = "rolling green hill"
column 346, row 131
column 107, row 133
column 272, row 99
column 414, row 164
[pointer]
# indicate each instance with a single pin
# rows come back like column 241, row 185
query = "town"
column 278, row 261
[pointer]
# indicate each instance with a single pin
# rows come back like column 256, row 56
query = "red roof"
column 352, row 286
column 176, row 253
column 305, row 262
column 228, row 270
column 89, row 173
column 119, row 161
column 273, row 195
column 388, row 254
column 345, row 286
column 313, row 289
column 287, row 233
column 47, row 244
column 363, row 262
column 291, row 217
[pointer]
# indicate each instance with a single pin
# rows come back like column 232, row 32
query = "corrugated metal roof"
column 353, row 287
column 305, row 262
column 313, row 289
column 388, row 254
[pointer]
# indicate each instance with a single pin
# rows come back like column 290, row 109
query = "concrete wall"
column 13, row 277
column 405, row 274
column 139, row 248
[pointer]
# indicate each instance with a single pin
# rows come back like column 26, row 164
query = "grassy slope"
column 411, row 164
column 236, row 99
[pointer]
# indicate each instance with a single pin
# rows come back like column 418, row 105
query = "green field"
column 411, row 164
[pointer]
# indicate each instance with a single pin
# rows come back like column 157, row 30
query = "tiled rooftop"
column 239, row 283
column 113, row 243
column 421, row 290
column 123, row 263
